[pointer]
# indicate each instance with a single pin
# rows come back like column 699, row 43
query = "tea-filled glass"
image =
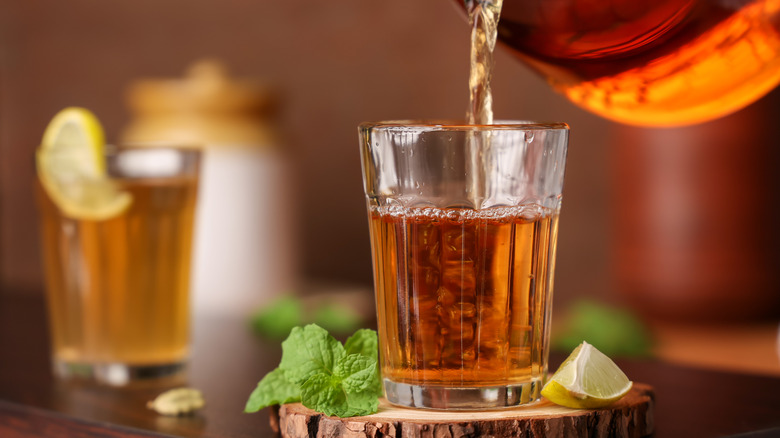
column 463, row 224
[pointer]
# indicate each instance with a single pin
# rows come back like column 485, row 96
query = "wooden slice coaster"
column 631, row 416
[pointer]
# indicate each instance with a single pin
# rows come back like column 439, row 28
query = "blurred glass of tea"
column 118, row 287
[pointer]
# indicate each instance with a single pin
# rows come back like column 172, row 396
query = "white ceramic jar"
column 244, row 247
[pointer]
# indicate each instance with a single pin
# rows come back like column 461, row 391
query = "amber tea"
column 460, row 292
column 118, row 288
column 464, row 254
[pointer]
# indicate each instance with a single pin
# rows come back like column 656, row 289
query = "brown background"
column 337, row 64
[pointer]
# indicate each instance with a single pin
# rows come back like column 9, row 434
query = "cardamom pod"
column 179, row 401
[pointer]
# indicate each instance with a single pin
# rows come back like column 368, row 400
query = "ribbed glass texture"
column 463, row 223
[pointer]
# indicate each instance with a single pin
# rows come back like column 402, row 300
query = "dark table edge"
column 18, row 420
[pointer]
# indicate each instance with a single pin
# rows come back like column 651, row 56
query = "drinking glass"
column 118, row 288
column 463, row 223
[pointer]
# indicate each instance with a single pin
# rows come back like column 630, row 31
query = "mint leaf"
column 274, row 389
column 323, row 374
column 612, row 330
column 362, row 403
column 276, row 320
column 357, row 372
column 308, row 351
column 337, row 318
column 366, row 343
column 323, row 393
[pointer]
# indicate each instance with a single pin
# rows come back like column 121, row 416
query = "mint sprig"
column 324, row 375
column 277, row 319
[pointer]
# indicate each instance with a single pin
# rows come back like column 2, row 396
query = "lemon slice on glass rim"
column 72, row 167
column 587, row 379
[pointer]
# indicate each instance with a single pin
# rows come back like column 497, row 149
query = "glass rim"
column 152, row 160
column 461, row 125
column 118, row 147
column 179, row 147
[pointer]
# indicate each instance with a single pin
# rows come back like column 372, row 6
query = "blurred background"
column 676, row 225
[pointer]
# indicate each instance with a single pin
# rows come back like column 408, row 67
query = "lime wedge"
column 72, row 168
column 587, row 379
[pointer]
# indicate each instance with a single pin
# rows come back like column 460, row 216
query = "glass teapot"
column 649, row 62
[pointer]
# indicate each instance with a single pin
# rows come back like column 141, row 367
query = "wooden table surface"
column 228, row 360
